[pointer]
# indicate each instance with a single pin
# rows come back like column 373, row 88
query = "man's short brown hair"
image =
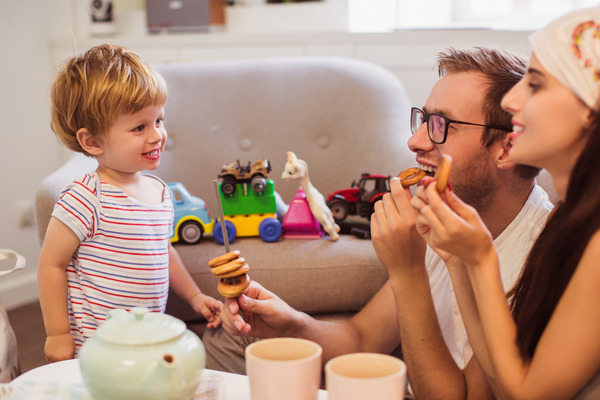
column 502, row 70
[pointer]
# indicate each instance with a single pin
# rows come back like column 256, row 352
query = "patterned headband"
column 569, row 48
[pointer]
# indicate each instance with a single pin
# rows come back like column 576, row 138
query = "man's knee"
column 225, row 352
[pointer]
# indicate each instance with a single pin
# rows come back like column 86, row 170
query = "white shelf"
column 409, row 55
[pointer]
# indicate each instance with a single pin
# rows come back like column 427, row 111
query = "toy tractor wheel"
column 228, row 185
column 218, row 232
column 191, row 232
column 270, row 229
column 258, row 183
column 339, row 209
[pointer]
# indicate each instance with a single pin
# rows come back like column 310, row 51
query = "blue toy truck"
column 191, row 219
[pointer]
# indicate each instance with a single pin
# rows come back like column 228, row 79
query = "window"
column 390, row 15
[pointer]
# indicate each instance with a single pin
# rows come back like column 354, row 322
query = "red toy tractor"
column 360, row 198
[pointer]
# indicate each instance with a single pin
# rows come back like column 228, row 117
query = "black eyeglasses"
column 437, row 125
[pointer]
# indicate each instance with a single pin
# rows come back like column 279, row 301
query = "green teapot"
column 142, row 355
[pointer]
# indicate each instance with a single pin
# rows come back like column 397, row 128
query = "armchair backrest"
column 343, row 117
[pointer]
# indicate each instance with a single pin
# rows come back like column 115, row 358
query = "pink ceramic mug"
column 284, row 368
column 361, row 376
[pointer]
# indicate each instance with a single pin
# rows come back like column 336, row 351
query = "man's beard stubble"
column 474, row 182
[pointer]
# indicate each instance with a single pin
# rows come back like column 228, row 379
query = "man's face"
column 459, row 96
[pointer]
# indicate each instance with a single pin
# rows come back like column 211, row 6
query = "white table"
column 67, row 373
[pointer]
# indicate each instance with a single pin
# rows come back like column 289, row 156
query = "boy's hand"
column 59, row 347
column 209, row 307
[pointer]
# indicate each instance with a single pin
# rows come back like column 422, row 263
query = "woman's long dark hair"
column 558, row 250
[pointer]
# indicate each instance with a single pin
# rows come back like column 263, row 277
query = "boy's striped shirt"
column 122, row 260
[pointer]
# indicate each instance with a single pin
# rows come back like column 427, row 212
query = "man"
column 416, row 308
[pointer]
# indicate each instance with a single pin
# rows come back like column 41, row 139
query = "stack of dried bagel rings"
column 232, row 271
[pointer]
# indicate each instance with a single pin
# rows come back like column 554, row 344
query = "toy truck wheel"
column 218, row 232
column 190, row 232
column 270, row 229
column 258, row 183
column 339, row 209
column 228, row 185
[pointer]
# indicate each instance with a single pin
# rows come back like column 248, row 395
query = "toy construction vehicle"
column 248, row 200
column 254, row 174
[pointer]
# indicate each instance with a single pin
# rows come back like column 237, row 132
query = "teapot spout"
column 164, row 380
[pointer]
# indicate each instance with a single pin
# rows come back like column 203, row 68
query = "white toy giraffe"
column 298, row 169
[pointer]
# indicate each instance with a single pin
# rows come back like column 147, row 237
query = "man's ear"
column 502, row 148
column 89, row 143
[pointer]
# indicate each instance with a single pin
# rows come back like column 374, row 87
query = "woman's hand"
column 450, row 226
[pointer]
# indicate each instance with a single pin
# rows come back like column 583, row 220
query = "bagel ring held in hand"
column 233, row 273
column 413, row 175
column 442, row 173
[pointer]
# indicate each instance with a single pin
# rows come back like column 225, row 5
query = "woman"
column 546, row 342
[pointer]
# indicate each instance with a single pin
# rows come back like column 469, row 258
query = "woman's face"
column 548, row 120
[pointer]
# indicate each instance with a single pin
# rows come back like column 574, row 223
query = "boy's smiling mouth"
column 154, row 154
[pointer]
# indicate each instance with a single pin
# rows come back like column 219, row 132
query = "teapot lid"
column 139, row 327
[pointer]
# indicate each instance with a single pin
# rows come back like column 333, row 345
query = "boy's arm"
column 181, row 282
column 59, row 245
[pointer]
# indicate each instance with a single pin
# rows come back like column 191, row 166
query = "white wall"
column 37, row 34
column 28, row 151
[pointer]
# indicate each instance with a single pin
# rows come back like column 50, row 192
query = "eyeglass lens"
column 436, row 124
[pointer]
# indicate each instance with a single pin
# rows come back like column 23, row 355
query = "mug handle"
column 5, row 254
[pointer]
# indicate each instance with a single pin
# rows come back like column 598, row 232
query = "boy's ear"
column 88, row 142
column 502, row 148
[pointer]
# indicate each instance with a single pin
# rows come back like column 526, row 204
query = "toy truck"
column 248, row 211
column 191, row 219
column 360, row 198
column 254, row 174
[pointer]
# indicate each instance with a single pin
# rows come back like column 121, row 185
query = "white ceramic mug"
column 360, row 376
column 284, row 368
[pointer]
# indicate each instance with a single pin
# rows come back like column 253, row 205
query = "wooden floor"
column 29, row 329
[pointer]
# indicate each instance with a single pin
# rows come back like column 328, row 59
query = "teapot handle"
column 6, row 254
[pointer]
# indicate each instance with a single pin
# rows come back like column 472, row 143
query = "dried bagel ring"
column 232, row 255
column 240, row 271
column 231, row 269
column 442, row 174
column 226, row 268
column 411, row 176
column 233, row 287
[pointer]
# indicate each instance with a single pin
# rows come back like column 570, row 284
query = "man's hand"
column 59, row 347
column 258, row 312
column 393, row 232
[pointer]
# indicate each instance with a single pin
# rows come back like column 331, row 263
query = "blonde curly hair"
column 92, row 90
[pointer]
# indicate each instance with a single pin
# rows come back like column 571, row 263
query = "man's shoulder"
column 515, row 242
column 533, row 214
column 539, row 200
